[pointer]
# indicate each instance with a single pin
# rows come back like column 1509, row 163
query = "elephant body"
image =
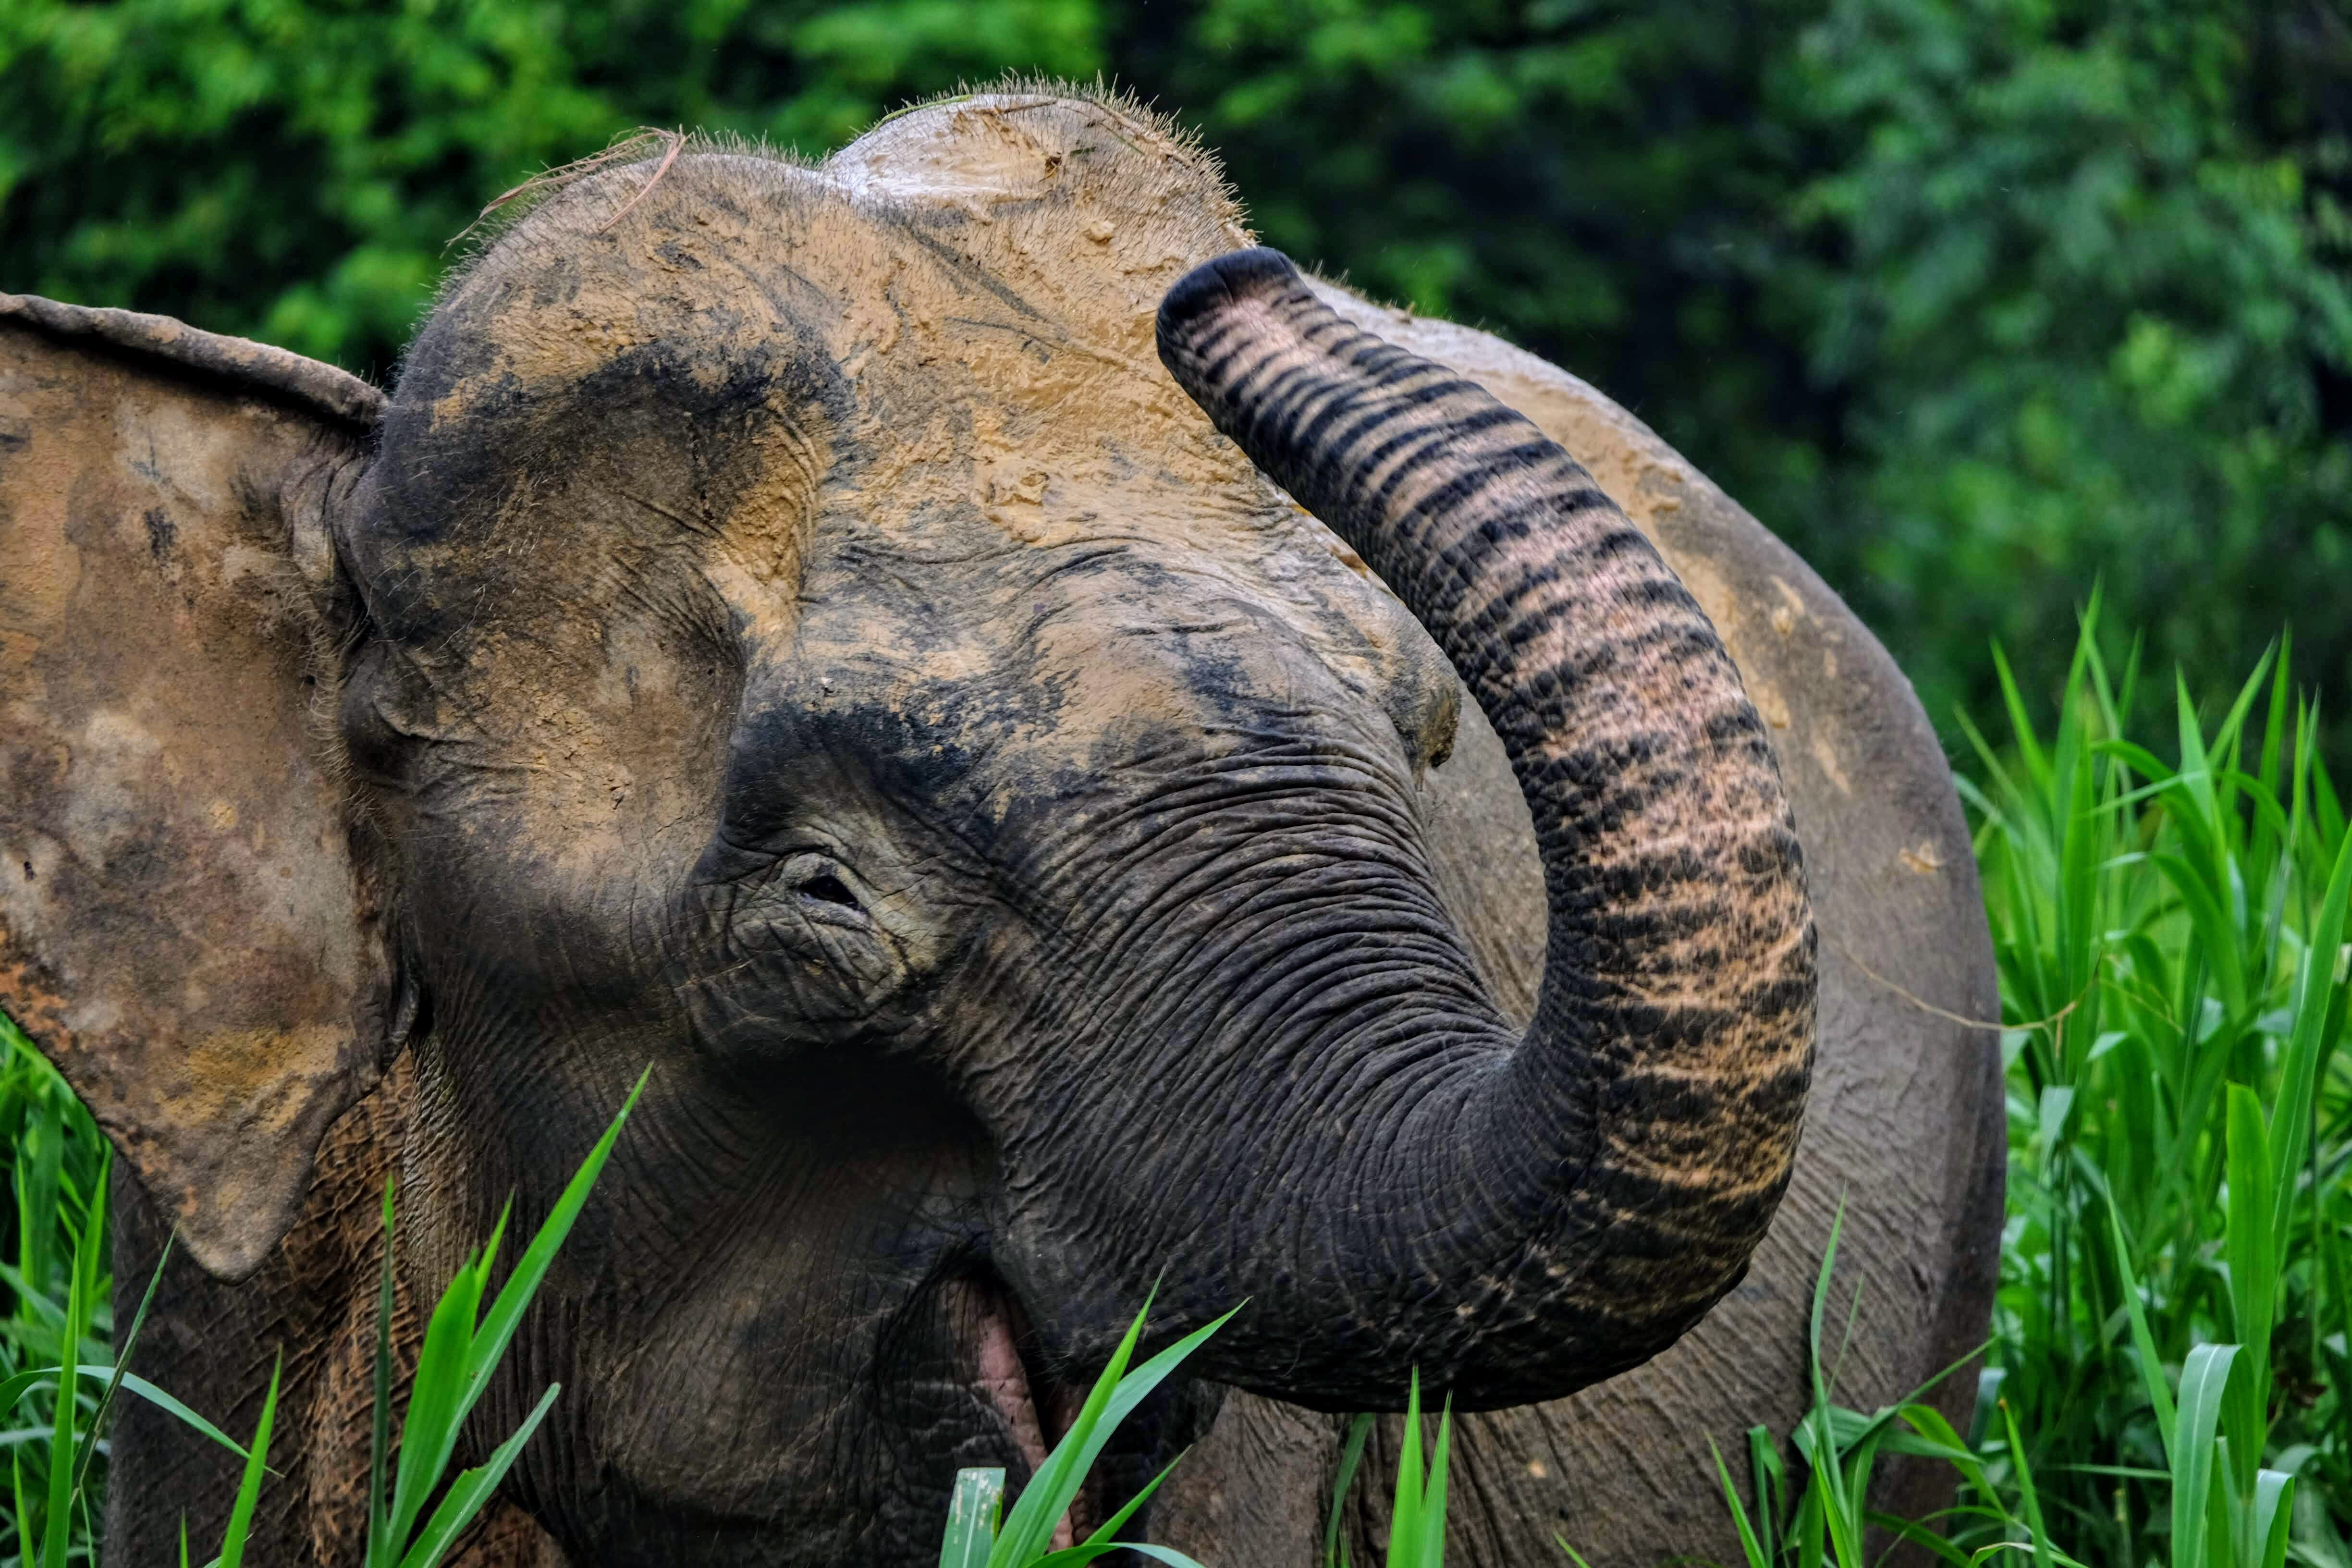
column 663, row 673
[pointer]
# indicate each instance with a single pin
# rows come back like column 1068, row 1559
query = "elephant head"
column 795, row 628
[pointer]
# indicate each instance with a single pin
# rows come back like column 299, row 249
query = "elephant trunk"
column 1570, row 1206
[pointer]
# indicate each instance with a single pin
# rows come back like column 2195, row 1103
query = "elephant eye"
column 823, row 888
column 828, row 888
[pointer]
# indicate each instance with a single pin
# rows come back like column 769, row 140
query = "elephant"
column 1088, row 766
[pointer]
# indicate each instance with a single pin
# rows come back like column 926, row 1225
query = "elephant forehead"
column 1051, row 219
column 695, row 271
column 1087, row 198
column 727, row 284
column 659, row 391
column 1050, row 665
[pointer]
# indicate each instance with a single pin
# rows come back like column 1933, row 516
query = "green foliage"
column 462, row 1350
column 973, row 1539
column 55, row 1471
column 249, row 1485
column 1417, row 1514
column 2171, row 939
column 1417, row 1507
column 2082, row 271
column 1968, row 298
column 54, row 1351
column 2169, row 1377
column 1828, row 1519
column 59, row 1318
column 453, row 1372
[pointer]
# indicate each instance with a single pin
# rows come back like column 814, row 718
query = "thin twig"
column 677, row 141
column 622, row 150
column 1946, row 1013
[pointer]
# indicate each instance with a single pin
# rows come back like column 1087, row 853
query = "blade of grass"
column 1113, row 1398
column 130, row 1342
column 429, row 1435
column 1750, row 1545
column 2273, row 1513
column 972, row 1510
column 1405, row 1515
column 2204, row 1379
column 2029, row 1495
column 1105, row 1540
column 1351, row 1456
column 1432, row 1552
column 505, row 1312
column 379, row 1542
column 249, row 1489
column 2151, row 1370
column 472, row 1489
column 56, row 1519
column 2314, row 992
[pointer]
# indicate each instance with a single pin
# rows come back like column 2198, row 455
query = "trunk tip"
column 1258, row 273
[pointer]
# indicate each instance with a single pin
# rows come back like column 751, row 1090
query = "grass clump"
column 2167, row 1375
column 59, row 1291
column 2168, row 1370
column 462, row 1349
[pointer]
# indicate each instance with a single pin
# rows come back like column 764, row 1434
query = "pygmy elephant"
column 1083, row 761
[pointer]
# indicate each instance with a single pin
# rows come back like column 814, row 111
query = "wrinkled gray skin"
column 1904, row 1134
column 680, row 674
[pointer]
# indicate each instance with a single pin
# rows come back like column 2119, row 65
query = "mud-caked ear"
column 183, row 928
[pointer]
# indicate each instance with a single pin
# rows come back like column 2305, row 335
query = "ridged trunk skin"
column 1601, row 1186
column 1904, row 1137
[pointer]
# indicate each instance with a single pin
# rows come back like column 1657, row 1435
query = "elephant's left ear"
column 183, row 929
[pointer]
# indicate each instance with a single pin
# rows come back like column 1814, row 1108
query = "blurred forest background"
column 1972, row 301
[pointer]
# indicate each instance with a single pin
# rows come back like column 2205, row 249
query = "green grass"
column 55, row 1467
column 2171, row 1352
column 58, row 1313
column 2170, row 936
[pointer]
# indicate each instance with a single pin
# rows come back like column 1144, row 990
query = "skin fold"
column 1084, row 759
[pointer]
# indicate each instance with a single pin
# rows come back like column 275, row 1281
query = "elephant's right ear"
column 182, row 930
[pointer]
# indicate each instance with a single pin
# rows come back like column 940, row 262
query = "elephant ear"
column 182, row 930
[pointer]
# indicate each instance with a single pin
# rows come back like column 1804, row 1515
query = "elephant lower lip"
column 1036, row 1408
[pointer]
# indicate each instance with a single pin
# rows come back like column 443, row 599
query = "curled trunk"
column 1551, row 1213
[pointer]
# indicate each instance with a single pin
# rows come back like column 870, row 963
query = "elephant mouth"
column 1012, row 1374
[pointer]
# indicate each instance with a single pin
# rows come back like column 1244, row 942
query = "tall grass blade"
column 379, row 1542
column 1405, row 1515
column 505, row 1312
column 972, row 1510
column 2253, row 1257
column 2317, row 993
column 2273, row 1516
column 56, row 1519
column 1751, row 1545
column 1431, row 1552
column 249, row 1489
column 1105, row 1539
column 1114, row 1398
column 2151, row 1369
column 1351, row 1456
column 429, row 1435
column 122, row 1351
column 471, row 1491
column 2204, row 1381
